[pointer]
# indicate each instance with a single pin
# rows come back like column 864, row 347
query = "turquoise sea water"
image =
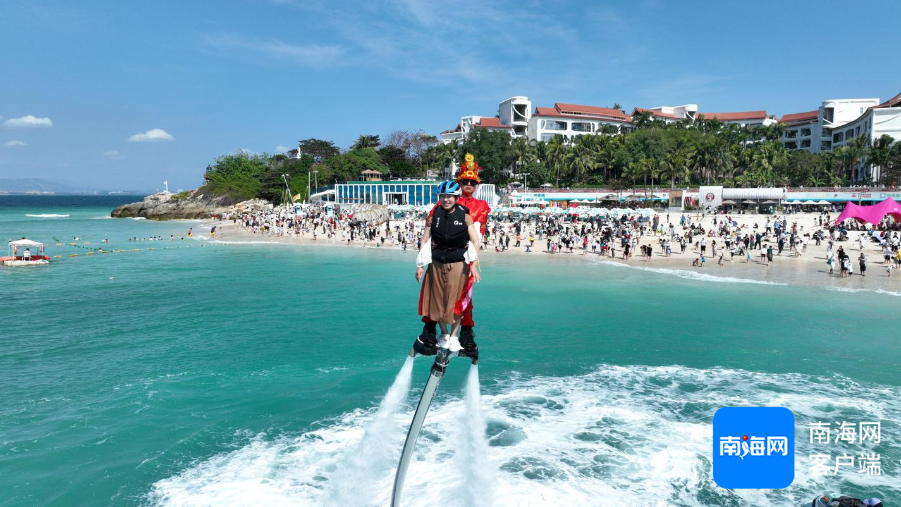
column 203, row 373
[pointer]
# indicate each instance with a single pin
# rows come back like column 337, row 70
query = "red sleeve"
column 480, row 214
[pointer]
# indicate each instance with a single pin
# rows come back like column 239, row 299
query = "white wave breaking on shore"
column 690, row 275
column 47, row 215
column 876, row 291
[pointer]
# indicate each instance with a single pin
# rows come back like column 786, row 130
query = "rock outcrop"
column 168, row 206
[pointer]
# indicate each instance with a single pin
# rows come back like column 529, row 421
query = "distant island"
column 38, row 186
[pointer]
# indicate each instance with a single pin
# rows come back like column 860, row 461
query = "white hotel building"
column 516, row 117
column 839, row 122
column 836, row 123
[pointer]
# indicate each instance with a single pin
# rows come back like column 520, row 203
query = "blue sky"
column 127, row 94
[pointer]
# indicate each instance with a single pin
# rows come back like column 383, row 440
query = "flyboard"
column 439, row 367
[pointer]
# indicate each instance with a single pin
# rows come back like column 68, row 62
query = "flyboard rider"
column 478, row 210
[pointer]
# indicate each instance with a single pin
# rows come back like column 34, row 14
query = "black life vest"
column 449, row 234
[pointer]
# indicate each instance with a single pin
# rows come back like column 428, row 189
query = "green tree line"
column 648, row 153
column 248, row 175
column 706, row 152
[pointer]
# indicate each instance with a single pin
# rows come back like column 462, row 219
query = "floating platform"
column 19, row 261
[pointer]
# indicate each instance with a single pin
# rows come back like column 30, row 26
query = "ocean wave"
column 139, row 218
column 877, row 291
column 47, row 215
column 103, row 218
column 629, row 434
column 691, row 275
column 257, row 242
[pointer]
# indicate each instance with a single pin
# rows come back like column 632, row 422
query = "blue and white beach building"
column 416, row 192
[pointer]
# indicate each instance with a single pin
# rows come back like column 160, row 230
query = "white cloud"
column 14, row 143
column 313, row 55
column 281, row 149
column 28, row 122
column 152, row 135
column 113, row 155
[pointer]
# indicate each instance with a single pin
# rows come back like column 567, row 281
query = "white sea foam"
column 620, row 435
column 690, row 275
column 47, row 215
column 877, row 291
column 222, row 242
column 103, row 218
column 139, row 218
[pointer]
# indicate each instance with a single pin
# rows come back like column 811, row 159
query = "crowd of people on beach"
column 707, row 237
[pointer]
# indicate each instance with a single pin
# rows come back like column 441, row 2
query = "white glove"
column 424, row 257
column 471, row 254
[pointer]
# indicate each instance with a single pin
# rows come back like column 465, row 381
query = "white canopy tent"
column 25, row 243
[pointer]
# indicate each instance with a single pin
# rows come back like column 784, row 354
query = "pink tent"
column 871, row 214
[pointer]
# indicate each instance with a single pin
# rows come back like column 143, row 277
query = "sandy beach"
column 808, row 269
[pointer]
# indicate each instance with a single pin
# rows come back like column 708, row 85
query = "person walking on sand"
column 450, row 252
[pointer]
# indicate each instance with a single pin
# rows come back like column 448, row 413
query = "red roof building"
column 579, row 111
column 490, row 123
column 800, row 118
column 739, row 116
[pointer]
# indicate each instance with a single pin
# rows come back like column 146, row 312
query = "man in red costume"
column 469, row 181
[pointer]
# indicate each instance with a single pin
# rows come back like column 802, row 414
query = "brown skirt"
column 442, row 286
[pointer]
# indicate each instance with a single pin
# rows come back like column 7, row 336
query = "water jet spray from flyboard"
column 364, row 468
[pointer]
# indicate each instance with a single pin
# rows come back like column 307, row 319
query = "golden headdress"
column 469, row 170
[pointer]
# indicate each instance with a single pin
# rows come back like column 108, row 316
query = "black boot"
column 427, row 343
column 468, row 342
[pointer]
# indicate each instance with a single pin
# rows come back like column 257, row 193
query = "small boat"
column 20, row 254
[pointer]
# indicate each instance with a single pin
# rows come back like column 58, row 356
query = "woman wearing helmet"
column 448, row 233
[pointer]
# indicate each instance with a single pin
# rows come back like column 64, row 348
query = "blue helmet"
column 449, row 187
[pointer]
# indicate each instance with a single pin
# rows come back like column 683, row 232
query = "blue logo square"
column 754, row 447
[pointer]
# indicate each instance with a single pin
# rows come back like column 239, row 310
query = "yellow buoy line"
column 93, row 251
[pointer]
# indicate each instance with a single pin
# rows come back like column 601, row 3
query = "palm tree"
column 556, row 155
column 676, row 165
column 879, row 155
column 652, row 168
column 523, row 151
column 365, row 142
column 602, row 154
column 767, row 159
column 858, row 151
column 579, row 159
column 633, row 171
column 444, row 154
column 701, row 160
